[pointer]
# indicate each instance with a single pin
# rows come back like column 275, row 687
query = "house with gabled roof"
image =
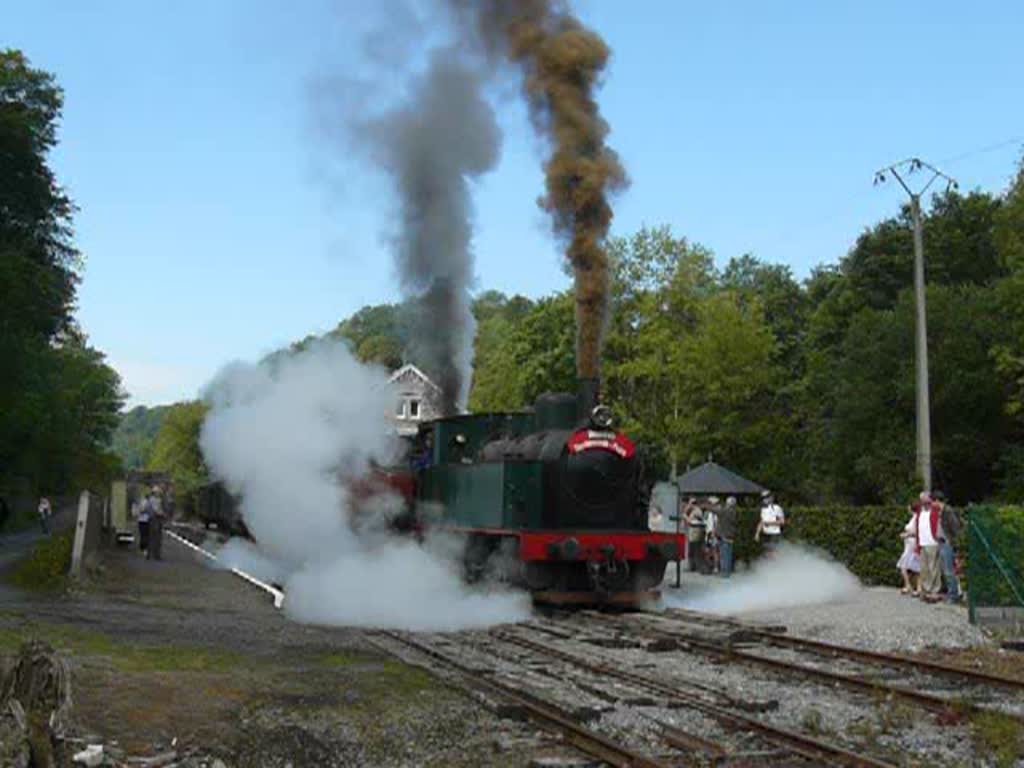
column 417, row 399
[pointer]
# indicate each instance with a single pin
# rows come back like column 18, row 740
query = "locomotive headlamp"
column 460, row 439
column 601, row 416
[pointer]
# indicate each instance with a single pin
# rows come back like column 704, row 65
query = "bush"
column 864, row 539
column 48, row 564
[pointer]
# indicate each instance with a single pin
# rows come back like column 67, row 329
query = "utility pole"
column 924, row 428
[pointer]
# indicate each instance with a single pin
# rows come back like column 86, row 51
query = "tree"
column 658, row 283
column 688, row 366
column 176, row 450
column 784, row 302
column 1009, row 353
column 58, row 397
column 495, row 376
column 867, row 444
column 135, row 434
column 526, row 357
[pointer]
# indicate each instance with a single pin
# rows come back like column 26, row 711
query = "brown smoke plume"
column 561, row 62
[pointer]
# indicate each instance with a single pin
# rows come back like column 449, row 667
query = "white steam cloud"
column 285, row 436
column 794, row 576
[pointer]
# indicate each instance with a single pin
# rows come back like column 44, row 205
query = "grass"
column 46, row 567
column 999, row 736
column 20, row 520
column 343, row 660
column 123, row 656
column 386, row 676
column 895, row 716
column 813, row 722
column 403, row 679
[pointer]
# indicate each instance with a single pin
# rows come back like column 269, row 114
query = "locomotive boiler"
column 550, row 498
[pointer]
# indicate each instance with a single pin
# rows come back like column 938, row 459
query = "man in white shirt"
column 928, row 517
column 45, row 513
column 770, row 524
column 156, row 524
column 142, row 515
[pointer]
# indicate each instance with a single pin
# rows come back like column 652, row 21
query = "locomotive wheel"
column 647, row 575
column 474, row 558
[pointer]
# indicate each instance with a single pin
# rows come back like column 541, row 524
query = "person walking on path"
column 156, row 526
column 142, row 516
column 771, row 523
column 711, row 536
column 928, row 529
column 949, row 532
column 726, row 536
column 45, row 513
column 910, row 562
column 694, row 517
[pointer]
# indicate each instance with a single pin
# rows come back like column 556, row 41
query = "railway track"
column 939, row 688
column 728, row 713
column 834, row 651
column 543, row 669
column 547, row 714
column 752, row 741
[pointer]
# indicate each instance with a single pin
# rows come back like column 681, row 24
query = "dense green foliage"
column 807, row 387
column 135, row 434
column 995, row 564
column 58, row 398
column 176, row 448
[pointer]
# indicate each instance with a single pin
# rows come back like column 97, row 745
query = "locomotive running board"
column 616, row 599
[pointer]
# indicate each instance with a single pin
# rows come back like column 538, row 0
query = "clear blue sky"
column 217, row 223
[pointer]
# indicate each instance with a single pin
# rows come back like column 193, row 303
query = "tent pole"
column 679, row 514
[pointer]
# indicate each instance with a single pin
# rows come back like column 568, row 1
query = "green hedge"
column 864, row 539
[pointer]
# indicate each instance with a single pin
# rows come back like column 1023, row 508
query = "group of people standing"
column 929, row 549
column 151, row 513
column 711, row 531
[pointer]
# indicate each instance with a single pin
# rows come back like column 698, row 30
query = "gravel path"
column 818, row 599
column 878, row 618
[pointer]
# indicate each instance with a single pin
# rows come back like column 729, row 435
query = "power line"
column 984, row 150
column 838, row 210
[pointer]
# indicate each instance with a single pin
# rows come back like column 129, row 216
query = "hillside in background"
column 136, row 433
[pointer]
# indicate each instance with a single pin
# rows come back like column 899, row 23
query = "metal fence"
column 995, row 565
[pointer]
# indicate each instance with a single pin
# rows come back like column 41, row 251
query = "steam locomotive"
column 551, row 498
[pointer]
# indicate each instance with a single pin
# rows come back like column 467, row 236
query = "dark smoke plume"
column 433, row 147
column 561, row 62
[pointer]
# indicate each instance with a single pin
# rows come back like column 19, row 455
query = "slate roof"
column 410, row 371
column 711, row 478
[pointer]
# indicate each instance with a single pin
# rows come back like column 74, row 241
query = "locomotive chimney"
column 586, row 397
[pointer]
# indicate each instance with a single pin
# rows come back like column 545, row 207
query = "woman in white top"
column 910, row 561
